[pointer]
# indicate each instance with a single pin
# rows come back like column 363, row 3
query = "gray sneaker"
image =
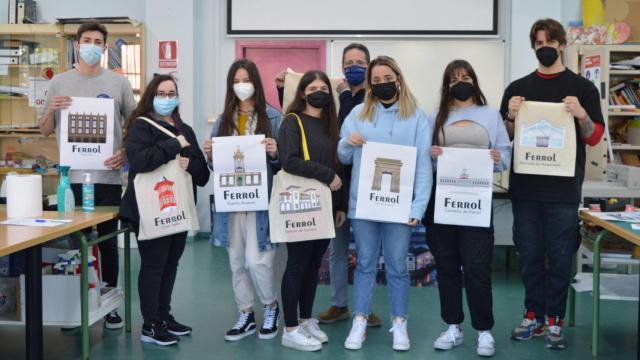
column 554, row 339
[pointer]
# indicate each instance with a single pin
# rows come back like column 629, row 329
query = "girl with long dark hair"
column 246, row 234
column 314, row 107
column 464, row 252
column 148, row 148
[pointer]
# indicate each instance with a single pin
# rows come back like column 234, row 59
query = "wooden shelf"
column 625, row 147
column 30, row 29
column 624, row 113
column 624, row 72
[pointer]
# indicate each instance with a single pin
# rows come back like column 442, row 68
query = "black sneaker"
column 113, row 321
column 156, row 333
column 269, row 328
column 245, row 326
column 176, row 328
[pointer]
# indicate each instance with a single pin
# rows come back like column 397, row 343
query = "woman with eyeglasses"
column 245, row 234
column 389, row 114
column 148, row 148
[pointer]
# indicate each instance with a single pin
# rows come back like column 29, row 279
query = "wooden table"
column 29, row 239
column 624, row 231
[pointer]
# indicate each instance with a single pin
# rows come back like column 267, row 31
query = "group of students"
column 376, row 104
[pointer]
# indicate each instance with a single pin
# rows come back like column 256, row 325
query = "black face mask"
column 462, row 90
column 385, row 91
column 319, row 99
column 547, row 55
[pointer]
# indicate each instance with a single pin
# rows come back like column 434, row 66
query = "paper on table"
column 35, row 222
column 631, row 217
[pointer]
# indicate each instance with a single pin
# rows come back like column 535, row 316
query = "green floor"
column 203, row 299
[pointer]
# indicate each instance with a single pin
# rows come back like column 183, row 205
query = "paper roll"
column 24, row 196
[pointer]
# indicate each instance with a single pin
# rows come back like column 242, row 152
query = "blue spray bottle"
column 88, row 194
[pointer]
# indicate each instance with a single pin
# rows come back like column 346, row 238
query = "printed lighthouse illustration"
column 240, row 177
column 166, row 196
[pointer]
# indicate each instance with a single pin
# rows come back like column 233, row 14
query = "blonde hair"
column 407, row 103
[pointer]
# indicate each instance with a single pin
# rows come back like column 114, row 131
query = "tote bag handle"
column 305, row 148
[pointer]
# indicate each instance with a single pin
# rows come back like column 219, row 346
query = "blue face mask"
column 90, row 53
column 355, row 74
column 164, row 106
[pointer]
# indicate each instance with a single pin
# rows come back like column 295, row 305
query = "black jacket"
column 148, row 148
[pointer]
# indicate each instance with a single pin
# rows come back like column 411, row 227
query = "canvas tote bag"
column 300, row 208
column 165, row 198
column 545, row 140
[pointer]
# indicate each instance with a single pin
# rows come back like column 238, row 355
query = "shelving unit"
column 594, row 62
column 23, row 88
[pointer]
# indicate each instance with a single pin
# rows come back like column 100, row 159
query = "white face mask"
column 243, row 90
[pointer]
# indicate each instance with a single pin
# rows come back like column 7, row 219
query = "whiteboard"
column 423, row 64
column 381, row 17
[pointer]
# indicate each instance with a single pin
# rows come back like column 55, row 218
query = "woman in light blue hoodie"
column 464, row 120
column 389, row 115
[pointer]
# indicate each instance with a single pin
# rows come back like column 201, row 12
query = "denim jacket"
column 220, row 220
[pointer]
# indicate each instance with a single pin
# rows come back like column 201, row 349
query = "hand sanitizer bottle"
column 88, row 194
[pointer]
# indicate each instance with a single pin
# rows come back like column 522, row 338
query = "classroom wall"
column 205, row 52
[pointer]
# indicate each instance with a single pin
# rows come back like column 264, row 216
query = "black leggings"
column 301, row 278
column 158, row 269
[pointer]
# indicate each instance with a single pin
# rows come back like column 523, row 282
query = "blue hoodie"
column 386, row 127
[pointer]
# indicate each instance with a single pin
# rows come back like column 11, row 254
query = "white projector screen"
column 423, row 64
column 369, row 17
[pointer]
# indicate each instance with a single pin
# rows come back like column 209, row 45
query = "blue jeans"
column 546, row 238
column 394, row 240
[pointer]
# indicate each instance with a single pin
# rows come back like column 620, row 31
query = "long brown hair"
column 446, row 99
column 231, row 101
column 145, row 105
column 328, row 117
column 407, row 103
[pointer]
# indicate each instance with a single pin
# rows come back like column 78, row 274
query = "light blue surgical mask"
column 90, row 53
column 164, row 105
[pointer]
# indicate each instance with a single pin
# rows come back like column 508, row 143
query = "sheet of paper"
column 35, row 222
column 86, row 133
column 631, row 217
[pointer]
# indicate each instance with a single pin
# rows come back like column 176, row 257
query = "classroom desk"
column 30, row 239
column 622, row 230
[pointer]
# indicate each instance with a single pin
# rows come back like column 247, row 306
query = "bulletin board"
column 423, row 63
column 370, row 17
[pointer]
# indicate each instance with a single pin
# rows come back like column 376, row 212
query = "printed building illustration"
column 87, row 128
column 465, row 180
column 387, row 166
column 240, row 177
column 166, row 196
column 543, row 134
column 293, row 200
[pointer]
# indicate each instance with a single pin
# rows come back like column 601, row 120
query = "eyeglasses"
column 170, row 95
column 357, row 62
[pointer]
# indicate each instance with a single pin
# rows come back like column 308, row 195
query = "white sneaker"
column 299, row 339
column 358, row 333
column 400, row 336
column 486, row 344
column 450, row 338
column 312, row 328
